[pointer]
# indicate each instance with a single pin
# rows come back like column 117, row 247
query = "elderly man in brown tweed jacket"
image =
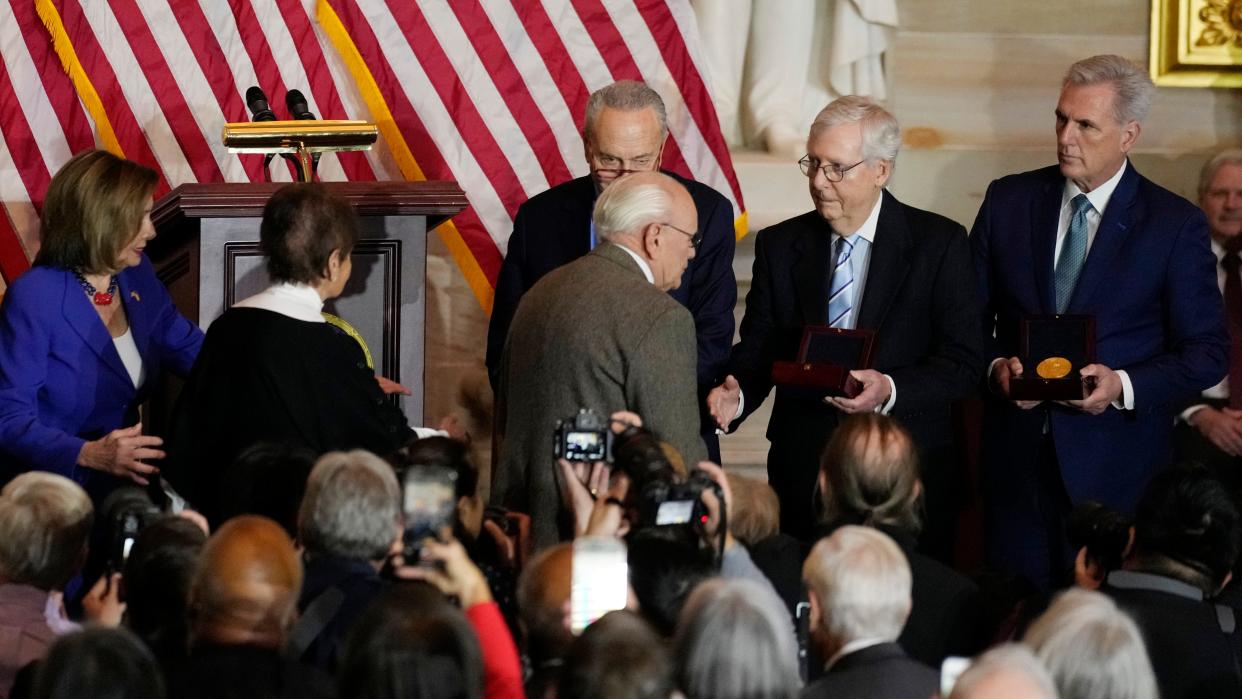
column 601, row 333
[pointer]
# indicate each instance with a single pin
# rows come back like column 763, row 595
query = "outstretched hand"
column 723, row 401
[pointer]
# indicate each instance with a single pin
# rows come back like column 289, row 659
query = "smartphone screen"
column 600, row 580
column 429, row 501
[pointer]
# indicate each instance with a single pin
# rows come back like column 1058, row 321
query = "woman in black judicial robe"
column 271, row 369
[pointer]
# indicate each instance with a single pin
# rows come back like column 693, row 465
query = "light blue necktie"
column 841, row 290
column 1073, row 252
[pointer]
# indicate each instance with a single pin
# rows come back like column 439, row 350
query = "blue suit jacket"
column 62, row 382
column 1150, row 281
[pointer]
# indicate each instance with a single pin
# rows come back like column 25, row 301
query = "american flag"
column 489, row 93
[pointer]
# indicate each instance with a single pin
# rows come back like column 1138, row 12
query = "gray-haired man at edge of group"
column 601, row 333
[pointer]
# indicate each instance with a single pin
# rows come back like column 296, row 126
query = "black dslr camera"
column 583, row 437
column 127, row 511
column 658, row 496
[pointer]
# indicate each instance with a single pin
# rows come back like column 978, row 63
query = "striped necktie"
column 841, row 291
column 1073, row 252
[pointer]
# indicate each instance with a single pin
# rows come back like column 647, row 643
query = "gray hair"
column 1092, row 648
column 881, row 134
column 1009, row 657
column 1132, row 86
column 628, row 96
column 735, row 640
column 351, row 507
column 1232, row 156
column 862, row 582
column 45, row 520
column 629, row 204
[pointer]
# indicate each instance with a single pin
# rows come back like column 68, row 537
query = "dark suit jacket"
column 919, row 297
column 266, row 377
column 1149, row 280
column 879, row 671
column 592, row 334
column 553, row 228
column 1191, row 655
column 62, row 382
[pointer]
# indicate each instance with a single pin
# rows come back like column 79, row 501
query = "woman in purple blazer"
column 85, row 332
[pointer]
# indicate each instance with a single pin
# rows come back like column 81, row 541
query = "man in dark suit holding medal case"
column 860, row 260
column 1090, row 236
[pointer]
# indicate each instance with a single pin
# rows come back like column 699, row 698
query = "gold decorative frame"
column 1196, row 43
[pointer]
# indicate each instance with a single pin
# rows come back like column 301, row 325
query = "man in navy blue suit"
column 1090, row 236
column 624, row 131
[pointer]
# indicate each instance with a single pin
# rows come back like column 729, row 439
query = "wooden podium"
column 207, row 253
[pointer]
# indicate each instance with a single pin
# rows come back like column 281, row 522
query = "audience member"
column 1092, row 649
column 156, row 585
column 858, row 584
column 543, row 605
column 664, row 570
column 243, row 601
column 1010, row 671
column 447, row 566
column 272, row 369
column 1186, row 541
column 869, row 475
column 619, row 657
column 85, row 332
column 1210, row 429
column 98, row 663
column 268, row 479
column 735, row 641
column 625, row 346
column 45, row 521
column 755, row 522
column 413, row 644
column 1102, row 537
column 348, row 524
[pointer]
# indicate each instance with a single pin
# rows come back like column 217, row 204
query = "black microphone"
column 296, row 102
column 256, row 100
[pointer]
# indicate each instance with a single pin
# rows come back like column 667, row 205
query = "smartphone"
column 599, row 581
column 429, row 502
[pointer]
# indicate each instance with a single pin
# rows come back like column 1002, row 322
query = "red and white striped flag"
column 489, row 93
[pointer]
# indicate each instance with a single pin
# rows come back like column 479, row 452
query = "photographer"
column 624, row 499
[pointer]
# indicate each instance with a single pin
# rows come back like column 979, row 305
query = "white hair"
column 735, row 640
column 881, row 135
column 1232, row 156
column 45, row 520
column 629, row 204
column 1092, row 648
column 1007, row 658
column 1132, row 86
column 351, row 507
column 862, row 582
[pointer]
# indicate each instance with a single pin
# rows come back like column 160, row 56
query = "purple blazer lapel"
column 136, row 311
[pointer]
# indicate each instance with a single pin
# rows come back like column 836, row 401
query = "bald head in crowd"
column 653, row 216
column 543, row 591
column 246, row 586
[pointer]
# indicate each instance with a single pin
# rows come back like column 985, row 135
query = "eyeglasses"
column 695, row 238
column 832, row 171
column 612, row 167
